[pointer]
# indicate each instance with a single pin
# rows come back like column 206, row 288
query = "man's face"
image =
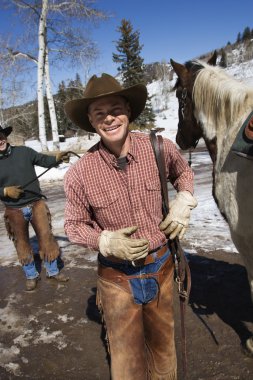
column 3, row 142
column 110, row 118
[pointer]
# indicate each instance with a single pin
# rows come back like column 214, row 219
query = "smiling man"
column 114, row 205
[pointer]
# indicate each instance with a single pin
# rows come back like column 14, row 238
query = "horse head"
column 189, row 130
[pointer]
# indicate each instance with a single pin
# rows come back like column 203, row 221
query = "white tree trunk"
column 41, row 65
column 51, row 105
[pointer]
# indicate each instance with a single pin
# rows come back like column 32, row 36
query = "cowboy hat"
column 98, row 87
column 6, row 131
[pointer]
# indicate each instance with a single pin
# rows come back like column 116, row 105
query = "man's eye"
column 117, row 111
column 99, row 114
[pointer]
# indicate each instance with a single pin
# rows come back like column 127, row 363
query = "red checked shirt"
column 101, row 196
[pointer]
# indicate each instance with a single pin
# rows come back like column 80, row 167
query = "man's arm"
column 79, row 226
column 181, row 176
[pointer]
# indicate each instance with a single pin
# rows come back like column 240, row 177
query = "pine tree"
column 246, row 34
column 131, row 66
column 239, row 38
column 60, row 99
column 223, row 61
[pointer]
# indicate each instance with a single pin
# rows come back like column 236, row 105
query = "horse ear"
column 212, row 60
column 179, row 69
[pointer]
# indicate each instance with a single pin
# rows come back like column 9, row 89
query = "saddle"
column 243, row 144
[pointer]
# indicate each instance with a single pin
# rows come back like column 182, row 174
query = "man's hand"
column 177, row 220
column 13, row 192
column 119, row 244
column 62, row 157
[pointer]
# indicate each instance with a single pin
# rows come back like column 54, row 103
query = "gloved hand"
column 119, row 244
column 62, row 157
column 13, row 192
column 177, row 220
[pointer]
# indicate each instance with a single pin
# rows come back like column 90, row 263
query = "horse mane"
column 221, row 98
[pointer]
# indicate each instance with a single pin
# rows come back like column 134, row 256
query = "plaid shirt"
column 100, row 196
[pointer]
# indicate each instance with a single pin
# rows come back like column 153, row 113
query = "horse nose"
column 249, row 129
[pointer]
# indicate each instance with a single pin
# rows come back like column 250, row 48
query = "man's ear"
column 89, row 117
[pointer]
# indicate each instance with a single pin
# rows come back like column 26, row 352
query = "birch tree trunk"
column 51, row 105
column 41, row 62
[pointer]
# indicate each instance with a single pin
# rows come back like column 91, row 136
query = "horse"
column 214, row 106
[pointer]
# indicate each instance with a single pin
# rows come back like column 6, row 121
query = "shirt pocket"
column 153, row 201
column 104, row 206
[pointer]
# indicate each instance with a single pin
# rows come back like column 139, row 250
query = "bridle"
column 182, row 100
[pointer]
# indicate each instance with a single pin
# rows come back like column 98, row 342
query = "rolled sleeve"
column 179, row 172
column 79, row 226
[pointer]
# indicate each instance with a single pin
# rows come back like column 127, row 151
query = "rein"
column 36, row 178
column 182, row 270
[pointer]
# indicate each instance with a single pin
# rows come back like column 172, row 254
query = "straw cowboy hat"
column 6, row 131
column 98, row 87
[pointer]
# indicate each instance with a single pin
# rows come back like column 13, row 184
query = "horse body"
column 214, row 106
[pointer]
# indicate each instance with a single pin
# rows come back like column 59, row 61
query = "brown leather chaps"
column 140, row 337
column 18, row 230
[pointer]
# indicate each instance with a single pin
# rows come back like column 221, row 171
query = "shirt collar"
column 6, row 153
column 111, row 160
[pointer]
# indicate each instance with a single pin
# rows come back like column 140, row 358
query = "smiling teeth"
column 111, row 129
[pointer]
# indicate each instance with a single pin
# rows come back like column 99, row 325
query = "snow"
column 205, row 220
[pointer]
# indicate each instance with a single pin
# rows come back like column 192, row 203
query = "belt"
column 149, row 259
column 122, row 280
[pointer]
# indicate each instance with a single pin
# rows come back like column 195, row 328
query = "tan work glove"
column 177, row 220
column 62, row 157
column 119, row 244
column 13, row 192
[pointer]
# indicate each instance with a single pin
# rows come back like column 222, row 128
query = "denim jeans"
column 30, row 269
column 144, row 290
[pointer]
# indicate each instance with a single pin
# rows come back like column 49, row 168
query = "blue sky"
column 173, row 29
column 180, row 29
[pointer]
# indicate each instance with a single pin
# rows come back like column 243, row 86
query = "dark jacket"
column 17, row 169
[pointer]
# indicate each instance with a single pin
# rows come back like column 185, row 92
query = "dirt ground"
column 55, row 332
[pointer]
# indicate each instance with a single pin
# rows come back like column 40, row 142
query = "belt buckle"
column 138, row 262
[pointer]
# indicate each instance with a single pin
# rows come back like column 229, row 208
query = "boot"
column 59, row 277
column 31, row 283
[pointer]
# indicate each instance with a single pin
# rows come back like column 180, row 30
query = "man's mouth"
column 112, row 128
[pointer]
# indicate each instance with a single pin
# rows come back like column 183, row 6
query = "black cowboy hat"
column 6, row 131
column 98, row 87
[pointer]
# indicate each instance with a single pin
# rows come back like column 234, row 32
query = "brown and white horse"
column 214, row 106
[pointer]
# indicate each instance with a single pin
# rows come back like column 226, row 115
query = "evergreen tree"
column 239, row 38
column 223, row 61
column 246, row 34
column 60, row 100
column 131, row 66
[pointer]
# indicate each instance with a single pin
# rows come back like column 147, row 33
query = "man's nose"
column 109, row 118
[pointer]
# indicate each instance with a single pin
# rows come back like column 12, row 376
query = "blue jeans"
column 30, row 269
column 144, row 290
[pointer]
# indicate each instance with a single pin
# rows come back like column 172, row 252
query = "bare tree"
column 58, row 39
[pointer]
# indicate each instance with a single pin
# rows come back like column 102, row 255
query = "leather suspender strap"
column 182, row 270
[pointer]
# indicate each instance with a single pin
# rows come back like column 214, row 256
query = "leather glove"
column 13, row 192
column 62, row 157
column 177, row 220
column 119, row 244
